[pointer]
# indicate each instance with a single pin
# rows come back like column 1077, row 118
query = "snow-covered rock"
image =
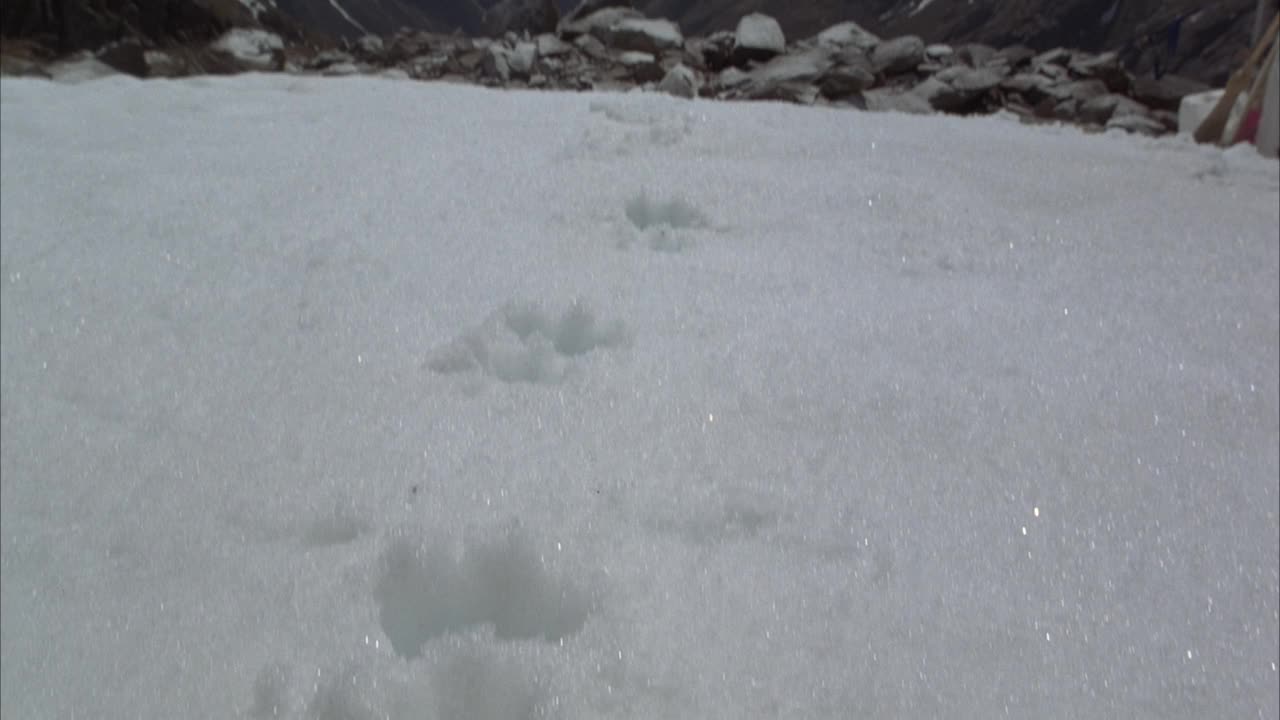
column 758, row 37
column 644, row 35
column 848, row 34
column 253, row 48
column 680, row 81
column 898, row 55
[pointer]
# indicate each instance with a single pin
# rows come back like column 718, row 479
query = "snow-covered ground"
column 361, row 398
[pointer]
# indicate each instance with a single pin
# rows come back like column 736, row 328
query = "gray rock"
column 1014, row 56
column 1101, row 109
column 341, row 69
column 1165, row 93
column 975, row 54
column 1080, row 90
column 1105, row 67
column 641, row 66
column 679, row 81
column 1139, row 124
column 494, row 64
column 552, row 46
column 642, row 35
column 938, row 51
column 1033, row 87
column 1057, row 56
column 520, row 16
column 717, row 50
column 521, row 59
column 847, row 34
column 758, row 38
column 597, row 23
column 731, row 78
column 891, row 100
column 591, row 46
column 851, row 74
column 899, row 55
column 959, row 88
column 370, row 45
column 587, row 7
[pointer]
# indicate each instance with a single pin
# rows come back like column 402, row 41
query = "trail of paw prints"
column 662, row 225
column 525, row 343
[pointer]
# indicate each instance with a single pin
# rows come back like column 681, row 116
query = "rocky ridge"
column 601, row 46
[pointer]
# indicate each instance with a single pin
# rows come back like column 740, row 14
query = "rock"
column 341, row 69
column 851, row 74
column 370, row 45
column 679, row 81
column 731, row 78
column 892, row 100
column 1102, row 108
column 251, row 49
column 1032, row 87
column 325, row 59
column 591, row 46
column 1105, row 67
column 758, row 38
column 1080, row 90
column 804, row 67
column 161, row 64
column 1139, row 124
column 1057, row 56
column 938, row 51
column 651, row 36
column 958, row 89
column 126, row 56
column 717, row 50
column 589, row 7
column 551, row 46
column 795, row 92
column 975, row 54
column 494, row 64
column 521, row 59
column 1014, row 56
column 1165, row 93
column 899, row 55
column 641, row 66
column 847, row 34
column 78, row 68
column 14, row 66
column 597, row 23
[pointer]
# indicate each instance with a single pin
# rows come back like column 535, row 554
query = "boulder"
column 251, row 49
column 1165, row 93
column 1057, row 56
column 551, row 46
column 899, row 55
column 126, row 56
column 1101, row 109
column 1140, row 124
column 851, row 74
column 679, row 81
column 495, row 64
column 975, row 54
column 1080, row 90
column 642, row 35
column 938, row 52
column 717, row 50
column 162, row 64
column 1014, row 56
column 958, row 89
column 591, row 46
column 1105, row 67
column 521, row 59
column 758, row 38
column 806, row 66
column 78, row 68
column 893, row 100
column 597, row 23
column 643, row 67
column 589, row 7
column 847, row 34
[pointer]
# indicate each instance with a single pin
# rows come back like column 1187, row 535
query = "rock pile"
column 604, row 45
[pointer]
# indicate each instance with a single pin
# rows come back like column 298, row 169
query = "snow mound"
column 252, row 47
